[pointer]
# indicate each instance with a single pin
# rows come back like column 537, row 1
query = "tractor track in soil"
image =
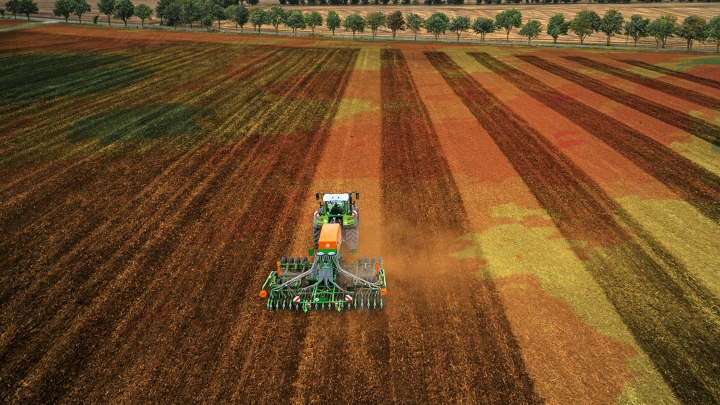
column 694, row 126
column 682, row 75
column 423, row 207
column 157, row 241
column 672, row 317
column 659, row 85
column 691, row 182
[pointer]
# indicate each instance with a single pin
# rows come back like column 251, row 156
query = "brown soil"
column 667, row 88
column 695, row 126
column 563, row 348
column 415, row 176
column 686, row 76
column 652, row 278
column 692, row 183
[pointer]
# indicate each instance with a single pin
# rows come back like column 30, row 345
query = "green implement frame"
column 326, row 283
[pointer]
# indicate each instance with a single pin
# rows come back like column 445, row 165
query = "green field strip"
column 692, row 125
column 699, row 187
column 26, row 78
column 659, row 85
column 46, row 137
column 674, row 319
column 682, row 75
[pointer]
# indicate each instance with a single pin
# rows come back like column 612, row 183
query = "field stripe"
column 181, row 217
column 682, row 75
column 691, row 182
column 423, row 207
column 674, row 319
column 694, row 126
column 659, row 85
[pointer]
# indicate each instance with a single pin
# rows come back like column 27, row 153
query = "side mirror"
column 317, row 196
column 357, row 195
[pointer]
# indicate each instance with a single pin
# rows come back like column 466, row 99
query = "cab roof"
column 336, row 197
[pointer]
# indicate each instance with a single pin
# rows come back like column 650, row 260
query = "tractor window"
column 335, row 208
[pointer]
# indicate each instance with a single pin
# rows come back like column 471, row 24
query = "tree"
column 507, row 20
column 333, row 21
column 692, row 29
column 2, row 12
column 275, row 17
column 355, row 23
column 143, row 12
column 124, row 9
column 636, row 28
column 191, row 11
column 459, row 25
column 531, row 29
column 557, row 26
column 81, row 7
column 231, row 13
column 395, row 22
column 173, row 14
column 253, row 2
column 106, row 7
column 161, row 8
column 217, row 12
column 712, row 31
column 415, row 23
column 611, row 24
column 437, row 24
column 313, row 19
column 483, row 26
column 207, row 21
column 13, row 6
column 63, row 8
column 375, row 20
column 242, row 17
column 27, row 7
column 662, row 28
column 585, row 23
column 258, row 17
column 295, row 20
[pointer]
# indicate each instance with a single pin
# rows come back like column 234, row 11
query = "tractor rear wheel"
column 316, row 237
column 351, row 238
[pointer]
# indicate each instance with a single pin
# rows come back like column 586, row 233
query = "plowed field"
column 549, row 220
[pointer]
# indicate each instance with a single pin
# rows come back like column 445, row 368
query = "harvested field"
column 550, row 234
column 703, row 129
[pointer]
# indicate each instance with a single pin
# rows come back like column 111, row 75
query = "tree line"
column 206, row 12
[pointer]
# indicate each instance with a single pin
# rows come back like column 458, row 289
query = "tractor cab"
column 335, row 205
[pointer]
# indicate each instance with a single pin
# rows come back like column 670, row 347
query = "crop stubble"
column 659, row 85
column 691, row 182
column 692, row 125
column 423, row 207
column 687, row 76
column 651, row 292
column 277, row 182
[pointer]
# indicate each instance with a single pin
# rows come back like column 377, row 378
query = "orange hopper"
column 330, row 236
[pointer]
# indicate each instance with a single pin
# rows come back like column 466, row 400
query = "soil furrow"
column 673, row 318
column 659, row 85
column 682, row 75
column 422, row 207
column 158, row 248
column 694, row 126
column 691, row 182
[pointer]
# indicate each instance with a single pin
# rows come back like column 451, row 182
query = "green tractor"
column 338, row 209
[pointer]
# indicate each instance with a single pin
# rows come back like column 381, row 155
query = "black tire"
column 316, row 237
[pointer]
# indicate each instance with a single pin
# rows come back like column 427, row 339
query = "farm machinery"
column 325, row 280
column 338, row 209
